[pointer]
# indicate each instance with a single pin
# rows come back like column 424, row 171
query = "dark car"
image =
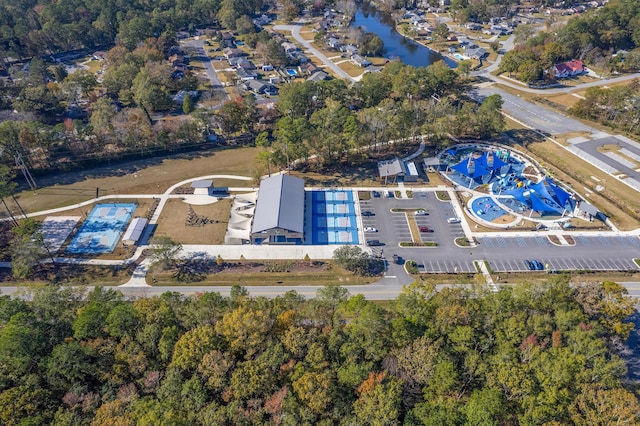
column 390, row 194
column 398, row 259
column 371, row 243
column 539, row 266
column 425, row 229
column 375, row 194
column 367, row 213
column 530, row 265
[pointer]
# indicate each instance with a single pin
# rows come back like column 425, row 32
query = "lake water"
column 397, row 46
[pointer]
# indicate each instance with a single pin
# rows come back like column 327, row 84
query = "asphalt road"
column 531, row 114
column 198, row 45
column 295, row 32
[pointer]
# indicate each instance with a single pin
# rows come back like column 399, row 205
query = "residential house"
column 373, row 68
column 473, row 26
column 245, row 75
column 477, row 53
column 246, row 65
column 289, row 48
column 267, row 67
column 360, row 61
column 278, row 37
column 318, row 76
column 569, row 69
column 230, row 52
column 261, row 87
column 416, row 20
column 300, row 57
column 321, row 25
column 334, row 43
column 308, row 68
column 350, row 49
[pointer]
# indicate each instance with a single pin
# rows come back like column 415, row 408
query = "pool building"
column 286, row 213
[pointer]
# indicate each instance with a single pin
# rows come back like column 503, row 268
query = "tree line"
column 528, row 354
column 334, row 122
column 328, row 119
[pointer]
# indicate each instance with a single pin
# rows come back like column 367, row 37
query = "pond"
column 396, row 45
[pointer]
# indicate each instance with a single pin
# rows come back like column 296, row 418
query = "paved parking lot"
column 564, row 264
column 522, row 242
column 435, row 266
column 393, row 227
column 607, row 241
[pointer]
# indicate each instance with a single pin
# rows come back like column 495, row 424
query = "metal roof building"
column 279, row 214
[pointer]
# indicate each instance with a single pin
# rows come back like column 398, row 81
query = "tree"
column 187, row 104
column 7, row 188
column 27, row 247
column 464, row 67
column 597, row 405
column 441, row 31
column 353, row 259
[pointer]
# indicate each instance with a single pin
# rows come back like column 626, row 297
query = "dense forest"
column 596, row 37
column 531, row 354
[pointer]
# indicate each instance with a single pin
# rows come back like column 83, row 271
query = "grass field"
column 172, row 222
column 146, row 176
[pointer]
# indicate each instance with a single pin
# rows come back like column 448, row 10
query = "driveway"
column 295, row 32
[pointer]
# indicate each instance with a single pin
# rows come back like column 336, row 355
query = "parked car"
column 367, row 213
column 425, row 229
column 530, row 265
column 390, row 194
column 370, row 229
column 421, row 212
column 398, row 259
column 453, row 220
column 372, row 243
column 375, row 194
column 539, row 266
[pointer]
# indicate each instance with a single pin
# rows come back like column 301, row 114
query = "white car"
column 454, row 220
column 421, row 212
column 370, row 229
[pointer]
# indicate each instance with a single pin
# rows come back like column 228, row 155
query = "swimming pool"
column 102, row 229
column 291, row 72
column 458, row 56
column 332, row 218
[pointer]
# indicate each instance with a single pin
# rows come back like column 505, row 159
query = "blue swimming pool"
column 102, row 229
column 487, row 209
column 458, row 56
column 332, row 217
column 291, row 72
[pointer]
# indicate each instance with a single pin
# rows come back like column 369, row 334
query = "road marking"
column 390, row 276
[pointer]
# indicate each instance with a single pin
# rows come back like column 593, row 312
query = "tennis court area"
column 102, row 229
column 330, row 218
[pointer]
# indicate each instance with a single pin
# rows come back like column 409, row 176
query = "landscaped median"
column 255, row 273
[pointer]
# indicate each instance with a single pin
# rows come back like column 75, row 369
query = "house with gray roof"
column 279, row 214
column 360, row 61
column 318, row 76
